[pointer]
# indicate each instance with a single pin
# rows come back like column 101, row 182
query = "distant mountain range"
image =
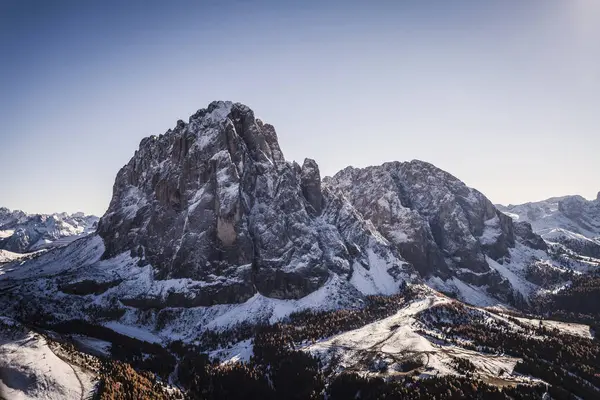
column 571, row 221
column 24, row 233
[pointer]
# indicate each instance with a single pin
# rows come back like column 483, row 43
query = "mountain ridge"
column 569, row 221
column 21, row 232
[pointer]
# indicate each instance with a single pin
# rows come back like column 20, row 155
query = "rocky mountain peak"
column 209, row 226
column 444, row 228
column 214, row 200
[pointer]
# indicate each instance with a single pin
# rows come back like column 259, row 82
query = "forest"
column 279, row 370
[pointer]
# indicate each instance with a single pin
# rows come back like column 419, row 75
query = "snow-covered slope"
column 411, row 337
column 21, row 232
column 570, row 213
column 30, row 370
column 73, row 282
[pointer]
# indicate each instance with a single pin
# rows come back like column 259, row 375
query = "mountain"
column 214, row 201
column 23, row 233
column 452, row 234
column 210, row 226
column 215, row 247
column 570, row 221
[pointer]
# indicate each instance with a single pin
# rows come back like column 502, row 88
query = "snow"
column 60, row 242
column 399, row 236
column 376, row 279
column 188, row 323
column 378, row 332
column 133, row 200
column 6, row 233
column 228, row 187
column 208, row 132
column 395, row 339
column 559, row 288
column 82, row 261
column 581, row 330
column 260, row 307
column 491, row 232
column 518, row 283
column 220, row 112
column 514, row 216
column 238, row 352
column 133, row 332
column 470, row 294
column 546, row 216
column 559, row 233
column 30, row 232
column 30, row 370
column 8, row 256
column 81, row 253
column 512, row 268
column 403, row 336
column 92, row 345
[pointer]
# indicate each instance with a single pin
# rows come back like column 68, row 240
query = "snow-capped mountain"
column 452, row 234
column 210, row 225
column 210, row 229
column 215, row 201
column 23, row 233
column 571, row 221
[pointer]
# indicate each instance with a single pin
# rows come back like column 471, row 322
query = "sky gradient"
column 503, row 94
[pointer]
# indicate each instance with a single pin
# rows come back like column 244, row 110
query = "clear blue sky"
column 503, row 94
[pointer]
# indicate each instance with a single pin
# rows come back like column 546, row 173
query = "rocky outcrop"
column 581, row 247
column 525, row 234
column 582, row 213
column 214, row 198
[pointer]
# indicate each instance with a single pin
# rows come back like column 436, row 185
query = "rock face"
column 215, row 201
column 22, row 233
column 434, row 220
column 311, row 185
column 524, row 232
